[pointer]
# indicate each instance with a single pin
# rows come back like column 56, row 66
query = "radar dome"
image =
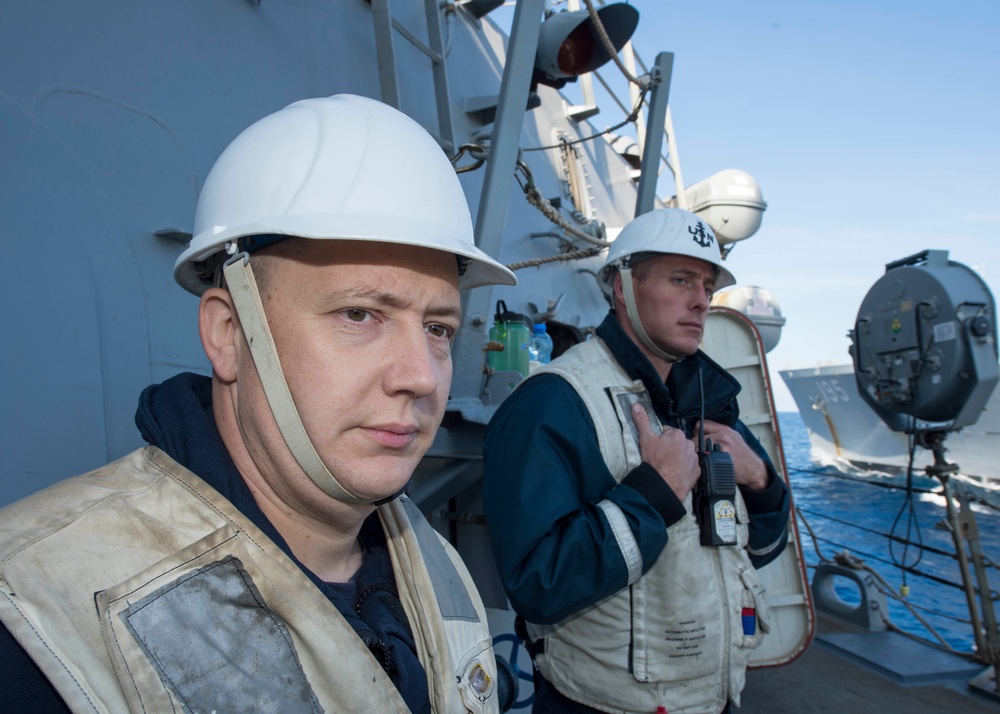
column 730, row 201
column 760, row 306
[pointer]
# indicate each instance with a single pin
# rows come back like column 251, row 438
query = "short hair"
column 264, row 263
column 640, row 270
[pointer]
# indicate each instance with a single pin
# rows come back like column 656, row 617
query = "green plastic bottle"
column 513, row 331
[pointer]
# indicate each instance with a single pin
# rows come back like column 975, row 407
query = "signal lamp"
column 568, row 43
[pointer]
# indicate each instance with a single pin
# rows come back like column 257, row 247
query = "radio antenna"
column 701, row 418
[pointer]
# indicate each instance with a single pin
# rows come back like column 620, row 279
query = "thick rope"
column 535, row 199
column 610, row 48
column 573, row 255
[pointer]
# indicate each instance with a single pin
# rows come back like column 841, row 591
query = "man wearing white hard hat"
column 257, row 555
column 626, row 599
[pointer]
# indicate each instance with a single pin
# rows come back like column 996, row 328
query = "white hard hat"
column 342, row 167
column 670, row 231
column 667, row 230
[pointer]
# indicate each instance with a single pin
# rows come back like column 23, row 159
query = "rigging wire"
column 480, row 154
column 630, row 119
column 847, row 560
column 913, row 571
column 824, row 472
column 907, row 506
column 927, row 548
column 526, row 181
column 909, row 509
column 862, row 479
column 449, row 9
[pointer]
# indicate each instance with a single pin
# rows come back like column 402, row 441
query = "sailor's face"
column 364, row 334
column 672, row 295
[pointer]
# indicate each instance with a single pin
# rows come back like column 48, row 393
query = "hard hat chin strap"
column 246, row 297
column 628, row 292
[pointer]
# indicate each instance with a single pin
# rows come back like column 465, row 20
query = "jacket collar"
column 680, row 396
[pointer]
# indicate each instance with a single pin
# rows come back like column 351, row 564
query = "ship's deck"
column 859, row 672
column 843, row 671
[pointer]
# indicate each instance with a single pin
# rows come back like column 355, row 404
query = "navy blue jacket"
column 544, row 476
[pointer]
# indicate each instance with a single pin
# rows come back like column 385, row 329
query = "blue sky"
column 873, row 129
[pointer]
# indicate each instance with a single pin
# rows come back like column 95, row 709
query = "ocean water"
column 856, row 511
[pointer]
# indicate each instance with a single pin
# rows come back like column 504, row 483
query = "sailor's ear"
column 218, row 327
column 618, row 294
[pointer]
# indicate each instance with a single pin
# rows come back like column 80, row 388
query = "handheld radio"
column 715, row 492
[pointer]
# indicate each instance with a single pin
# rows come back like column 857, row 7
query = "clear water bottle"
column 540, row 348
column 511, row 331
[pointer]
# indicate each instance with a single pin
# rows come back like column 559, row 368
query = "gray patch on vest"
column 217, row 645
column 626, row 398
column 449, row 589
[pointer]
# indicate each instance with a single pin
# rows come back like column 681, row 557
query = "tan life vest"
column 674, row 636
column 138, row 587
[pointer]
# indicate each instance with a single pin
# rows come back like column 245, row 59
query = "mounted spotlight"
column 924, row 344
column 925, row 350
column 568, row 43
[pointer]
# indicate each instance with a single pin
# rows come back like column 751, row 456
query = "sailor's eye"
column 440, row 330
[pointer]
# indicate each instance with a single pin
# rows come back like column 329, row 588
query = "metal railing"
column 857, row 546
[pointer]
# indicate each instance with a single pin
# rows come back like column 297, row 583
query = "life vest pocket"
column 677, row 631
column 196, row 630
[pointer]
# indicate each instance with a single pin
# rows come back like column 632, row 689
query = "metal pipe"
column 634, row 92
column 385, row 53
column 655, row 121
column 963, row 564
column 675, row 162
column 990, row 648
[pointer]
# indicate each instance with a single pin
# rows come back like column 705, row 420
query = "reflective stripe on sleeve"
column 626, row 541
